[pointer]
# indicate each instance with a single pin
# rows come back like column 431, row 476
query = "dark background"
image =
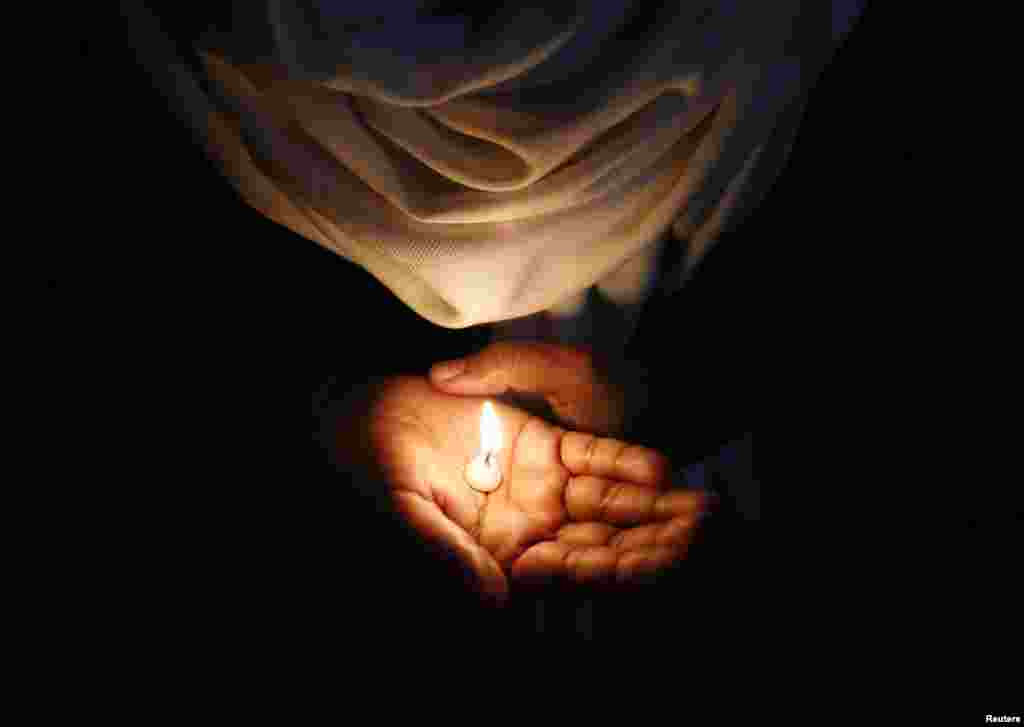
column 221, row 328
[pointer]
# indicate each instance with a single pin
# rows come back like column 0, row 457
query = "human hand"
column 570, row 505
column 584, row 393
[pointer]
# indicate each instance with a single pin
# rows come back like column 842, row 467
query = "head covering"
column 486, row 168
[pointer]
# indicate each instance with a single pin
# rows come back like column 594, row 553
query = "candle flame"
column 490, row 429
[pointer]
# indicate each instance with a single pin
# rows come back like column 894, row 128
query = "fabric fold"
column 485, row 171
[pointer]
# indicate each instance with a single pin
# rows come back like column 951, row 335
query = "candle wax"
column 483, row 473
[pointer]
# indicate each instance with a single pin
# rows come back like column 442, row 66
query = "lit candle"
column 483, row 472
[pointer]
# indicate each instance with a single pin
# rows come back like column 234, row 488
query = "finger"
column 539, row 368
column 637, row 565
column 591, row 564
column 540, row 563
column 596, row 499
column 553, row 560
column 589, row 533
column 586, row 454
column 429, row 521
column 676, row 533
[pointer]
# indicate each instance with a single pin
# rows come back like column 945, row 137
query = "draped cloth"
column 487, row 168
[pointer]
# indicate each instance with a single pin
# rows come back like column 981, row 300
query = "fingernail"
column 448, row 369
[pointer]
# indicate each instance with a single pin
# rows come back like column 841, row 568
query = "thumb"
column 453, row 543
column 564, row 376
column 547, row 369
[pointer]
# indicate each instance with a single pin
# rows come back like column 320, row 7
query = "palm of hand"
column 569, row 505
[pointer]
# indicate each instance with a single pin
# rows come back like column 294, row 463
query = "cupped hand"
column 570, row 505
column 584, row 393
